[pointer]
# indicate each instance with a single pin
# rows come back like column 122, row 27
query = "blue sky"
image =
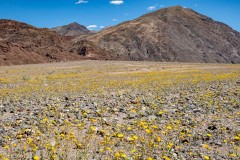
column 98, row 13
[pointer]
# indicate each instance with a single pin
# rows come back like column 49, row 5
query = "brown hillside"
column 21, row 43
column 172, row 34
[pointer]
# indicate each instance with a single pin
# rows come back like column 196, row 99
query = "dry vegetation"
column 120, row 110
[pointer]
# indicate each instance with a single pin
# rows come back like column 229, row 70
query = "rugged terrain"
column 72, row 30
column 172, row 34
column 21, row 43
column 120, row 110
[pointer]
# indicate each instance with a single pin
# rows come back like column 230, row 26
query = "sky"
column 97, row 14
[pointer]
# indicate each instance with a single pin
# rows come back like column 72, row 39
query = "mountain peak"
column 172, row 34
column 73, row 29
column 169, row 11
column 74, row 24
column 176, row 7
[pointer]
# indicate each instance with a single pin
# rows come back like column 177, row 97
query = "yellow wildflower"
column 133, row 111
column 232, row 155
column 206, row 146
column 62, row 135
column 129, row 128
column 29, row 140
column 101, row 150
column 160, row 113
column 123, row 155
column 209, row 135
column 120, row 135
column 237, row 138
column 158, row 139
column 92, row 128
column 166, row 158
column 133, row 151
column 170, row 144
column 169, row 127
column 36, row 157
column 45, row 120
column 35, row 148
column 47, row 146
column 148, row 131
column 131, row 139
column 54, row 156
column 117, row 154
column 135, row 137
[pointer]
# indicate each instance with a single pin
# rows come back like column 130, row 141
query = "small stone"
column 212, row 127
column 131, row 116
column 152, row 118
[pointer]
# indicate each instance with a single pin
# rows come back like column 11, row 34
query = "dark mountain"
column 171, row 34
column 72, row 30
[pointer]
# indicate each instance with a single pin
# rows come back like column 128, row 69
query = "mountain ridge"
column 173, row 34
column 21, row 43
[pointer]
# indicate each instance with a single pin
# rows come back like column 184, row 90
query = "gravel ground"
column 137, row 110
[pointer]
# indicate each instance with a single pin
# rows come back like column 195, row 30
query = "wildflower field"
column 120, row 111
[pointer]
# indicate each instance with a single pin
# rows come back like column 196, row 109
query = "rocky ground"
column 126, row 110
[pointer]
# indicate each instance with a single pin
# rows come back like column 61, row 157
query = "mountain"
column 21, row 43
column 72, row 30
column 171, row 34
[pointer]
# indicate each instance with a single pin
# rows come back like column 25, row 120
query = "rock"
column 175, row 156
column 60, row 121
column 131, row 116
column 134, row 101
column 152, row 118
column 196, row 110
column 1, row 142
column 66, row 98
column 121, row 110
column 172, row 110
column 212, row 127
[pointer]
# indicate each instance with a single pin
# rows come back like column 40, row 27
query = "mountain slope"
column 21, row 43
column 72, row 29
column 171, row 34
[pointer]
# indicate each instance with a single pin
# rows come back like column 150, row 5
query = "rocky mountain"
column 21, row 43
column 72, row 30
column 171, row 34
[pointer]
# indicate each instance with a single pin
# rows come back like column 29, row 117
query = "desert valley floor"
column 120, row 110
